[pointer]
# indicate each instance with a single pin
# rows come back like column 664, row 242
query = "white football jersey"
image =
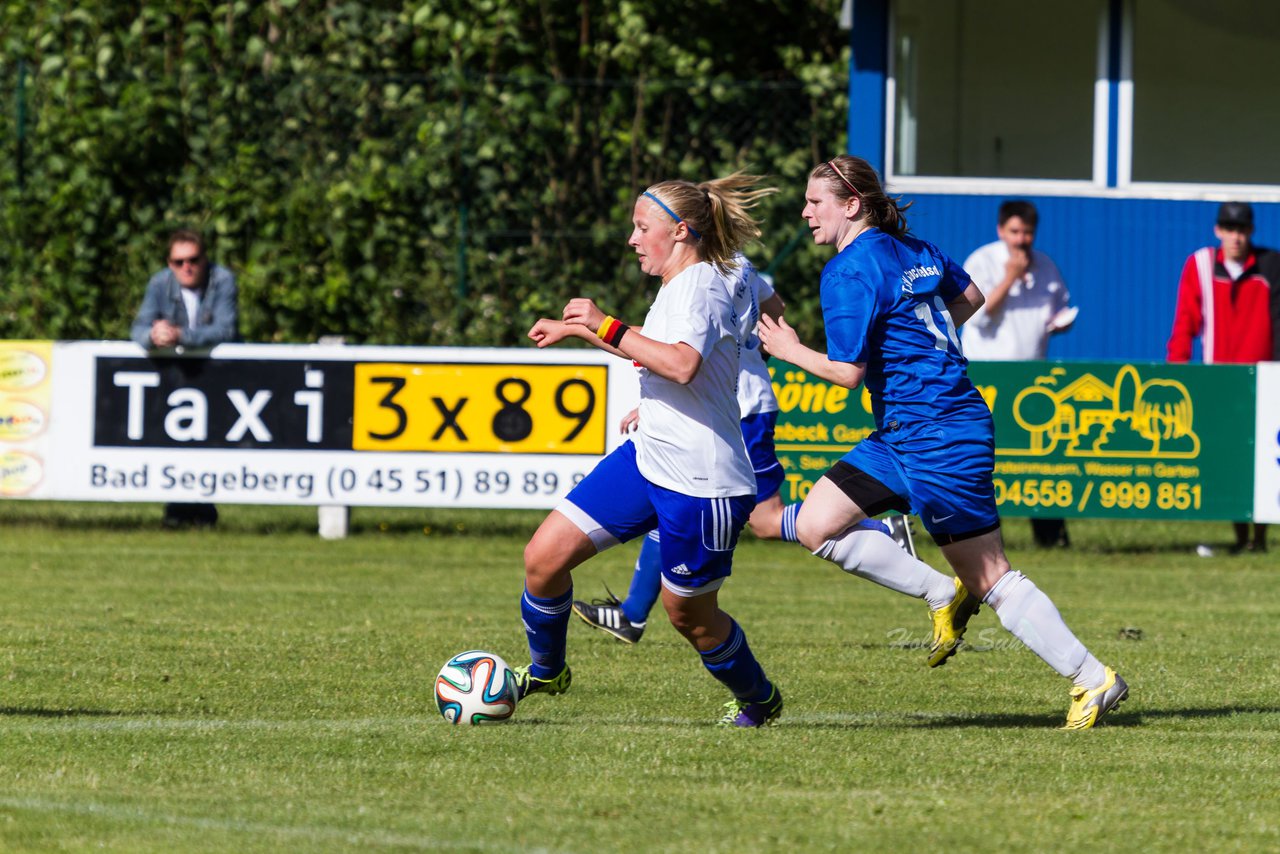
column 750, row 289
column 689, row 439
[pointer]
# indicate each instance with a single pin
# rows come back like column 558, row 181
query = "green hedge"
column 399, row 173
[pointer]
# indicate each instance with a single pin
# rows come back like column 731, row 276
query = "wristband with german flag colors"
column 611, row 330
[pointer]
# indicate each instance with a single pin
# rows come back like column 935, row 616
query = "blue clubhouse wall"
column 1121, row 259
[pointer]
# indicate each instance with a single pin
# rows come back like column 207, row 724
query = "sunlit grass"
column 255, row 688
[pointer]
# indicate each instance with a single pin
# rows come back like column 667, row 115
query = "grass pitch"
column 256, row 688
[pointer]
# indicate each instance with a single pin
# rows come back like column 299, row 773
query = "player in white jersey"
column 753, row 295
column 687, row 472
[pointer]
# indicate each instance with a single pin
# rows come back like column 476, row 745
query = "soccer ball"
column 476, row 687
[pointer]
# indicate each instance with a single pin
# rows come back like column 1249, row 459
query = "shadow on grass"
column 942, row 721
column 73, row 523
column 272, row 520
column 35, row 712
column 519, row 524
column 1224, row 712
column 1220, row 550
column 1118, row 719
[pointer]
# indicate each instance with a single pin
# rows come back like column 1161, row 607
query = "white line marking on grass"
column 127, row 724
column 383, row 838
column 321, row 726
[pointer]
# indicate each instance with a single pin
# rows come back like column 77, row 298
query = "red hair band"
column 831, row 164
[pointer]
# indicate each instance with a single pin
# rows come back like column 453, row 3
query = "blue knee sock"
column 733, row 664
column 546, row 624
column 789, row 514
column 646, row 581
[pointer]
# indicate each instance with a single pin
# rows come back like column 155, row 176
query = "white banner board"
column 333, row 425
column 1266, row 472
column 321, row 425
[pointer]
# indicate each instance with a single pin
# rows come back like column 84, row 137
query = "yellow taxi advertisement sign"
column 480, row 408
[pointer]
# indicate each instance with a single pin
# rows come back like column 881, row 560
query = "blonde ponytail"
column 716, row 211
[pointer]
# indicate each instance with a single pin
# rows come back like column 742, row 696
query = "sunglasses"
column 193, row 261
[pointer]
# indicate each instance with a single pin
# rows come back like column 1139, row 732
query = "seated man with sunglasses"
column 191, row 304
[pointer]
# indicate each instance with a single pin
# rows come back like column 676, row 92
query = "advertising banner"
column 372, row 426
column 1266, row 473
column 419, row 426
column 1077, row 439
column 25, row 403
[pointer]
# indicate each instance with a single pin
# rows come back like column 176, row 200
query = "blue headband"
column 657, row 201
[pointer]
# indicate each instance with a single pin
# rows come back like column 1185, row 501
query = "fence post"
column 334, row 520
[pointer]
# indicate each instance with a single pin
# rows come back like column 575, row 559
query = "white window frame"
column 1096, row 187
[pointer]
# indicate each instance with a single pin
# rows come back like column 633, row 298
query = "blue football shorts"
column 942, row 470
column 757, row 432
column 615, row 503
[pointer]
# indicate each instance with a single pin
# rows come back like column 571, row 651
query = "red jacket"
column 1232, row 318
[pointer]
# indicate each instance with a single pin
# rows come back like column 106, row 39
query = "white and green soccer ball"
column 476, row 687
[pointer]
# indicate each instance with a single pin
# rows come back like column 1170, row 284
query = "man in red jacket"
column 1224, row 299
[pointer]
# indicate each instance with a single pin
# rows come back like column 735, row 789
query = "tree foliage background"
column 396, row 172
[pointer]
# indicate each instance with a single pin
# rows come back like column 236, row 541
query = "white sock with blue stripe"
column 789, row 514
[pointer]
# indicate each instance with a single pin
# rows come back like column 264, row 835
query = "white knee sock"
column 874, row 555
column 1032, row 618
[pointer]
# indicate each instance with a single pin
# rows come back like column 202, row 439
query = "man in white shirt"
column 1027, row 302
column 1026, row 296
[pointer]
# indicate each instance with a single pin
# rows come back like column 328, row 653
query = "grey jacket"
column 219, row 312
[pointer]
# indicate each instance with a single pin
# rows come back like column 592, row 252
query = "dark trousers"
column 199, row 515
column 1050, row 533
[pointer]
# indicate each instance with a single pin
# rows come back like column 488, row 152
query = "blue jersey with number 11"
column 884, row 303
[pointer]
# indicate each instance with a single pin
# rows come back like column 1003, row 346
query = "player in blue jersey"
column 687, row 472
column 891, row 304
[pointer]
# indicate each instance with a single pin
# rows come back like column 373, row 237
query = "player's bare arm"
column 773, row 307
column 966, row 305
column 781, row 340
column 677, row 362
column 546, row 332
